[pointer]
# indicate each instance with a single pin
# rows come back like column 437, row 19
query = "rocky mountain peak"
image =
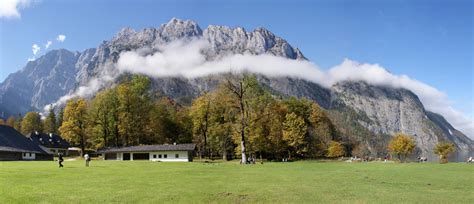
column 177, row 29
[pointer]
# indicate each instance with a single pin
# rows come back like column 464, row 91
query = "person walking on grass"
column 87, row 158
column 60, row 159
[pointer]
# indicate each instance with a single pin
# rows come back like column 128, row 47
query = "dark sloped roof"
column 148, row 148
column 48, row 140
column 13, row 141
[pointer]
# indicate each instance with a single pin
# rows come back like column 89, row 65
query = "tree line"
column 239, row 119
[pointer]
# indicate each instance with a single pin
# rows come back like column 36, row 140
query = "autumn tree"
column 134, row 107
column 323, row 130
column 402, row 145
column 31, row 123
column 222, row 119
column 239, row 86
column 336, row 149
column 73, row 128
column 277, row 145
column 17, row 124
column 50, row 122
column 200, row 114
column 444, row 149
column 294, row 131
column 99, row 113
column 360, row 150
column 11, row 121
column 2, row 122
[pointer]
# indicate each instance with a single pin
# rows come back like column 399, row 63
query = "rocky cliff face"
column 39, row 83
column 381, row 111
column 386, row 111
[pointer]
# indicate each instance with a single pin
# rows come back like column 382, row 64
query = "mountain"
column 366, row 113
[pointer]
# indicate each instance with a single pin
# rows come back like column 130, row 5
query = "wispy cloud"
column 48, row 44
column 10, row 8
column 35, row 48
column 61, row 38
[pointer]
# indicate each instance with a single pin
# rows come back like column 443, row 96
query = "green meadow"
column 229, row 182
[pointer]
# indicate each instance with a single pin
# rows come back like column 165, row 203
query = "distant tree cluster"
column 239, row 119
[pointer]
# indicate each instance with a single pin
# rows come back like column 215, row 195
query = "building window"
column 159, row 156
column 29, row 154
column 154, row 156
column 177, row 155
column 165, row 156
column 24, row 154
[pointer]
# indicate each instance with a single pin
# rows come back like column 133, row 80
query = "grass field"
column 297, row 182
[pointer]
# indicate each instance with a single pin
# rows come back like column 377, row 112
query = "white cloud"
column 49, row 43
column 185, row 59
column 35, row 48
column 10, row 8
column 31, row 59
column 61, row 38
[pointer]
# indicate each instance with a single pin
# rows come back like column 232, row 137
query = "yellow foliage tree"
column 294, row 131
column 11, row 121
column 402, row 145
column 31, row 122
column 336, row 149
column 74, row 122
column 444, row 149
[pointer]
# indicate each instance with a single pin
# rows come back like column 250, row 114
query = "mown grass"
column 295, row 182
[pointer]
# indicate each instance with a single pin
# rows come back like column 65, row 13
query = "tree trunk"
column 83, row 148
column 242, row 133
column 116, row 132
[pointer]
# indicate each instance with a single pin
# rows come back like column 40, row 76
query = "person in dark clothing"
column 60, row 161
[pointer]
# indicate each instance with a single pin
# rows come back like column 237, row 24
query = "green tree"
column 294, row 131
column 59, row 118
column 402, row 145
column 335, row 149
column 444, row 149
column 73, row 128
column 50, row 122
column 102, row 112
column 31, row 123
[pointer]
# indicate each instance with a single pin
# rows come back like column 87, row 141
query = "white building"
column 163, row 153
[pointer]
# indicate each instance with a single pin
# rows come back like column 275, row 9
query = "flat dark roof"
column 149, row 148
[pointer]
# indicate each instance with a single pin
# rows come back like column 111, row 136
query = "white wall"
column 171, row 156
column 28, row 156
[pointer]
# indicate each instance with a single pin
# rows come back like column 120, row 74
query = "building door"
column 126, row 156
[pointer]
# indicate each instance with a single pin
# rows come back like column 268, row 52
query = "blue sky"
column 431, row 41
